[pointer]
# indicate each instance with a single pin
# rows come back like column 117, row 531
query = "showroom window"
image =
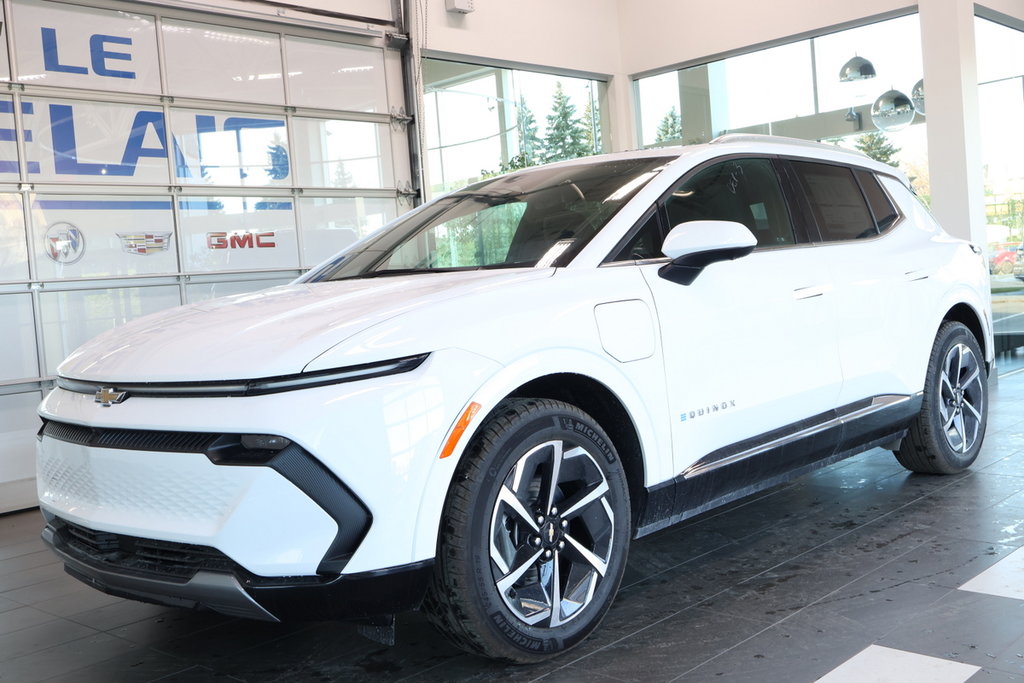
column 482, row 121
column 823, row 88
column 1000, row 51
column 151, row 157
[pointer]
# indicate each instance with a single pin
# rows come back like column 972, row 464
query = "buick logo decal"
column 108, row 396
column 64, row 243
column 144, row 242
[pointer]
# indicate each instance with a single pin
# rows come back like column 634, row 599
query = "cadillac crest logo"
column 144, row 242
column 64, row 243
column 107, row 396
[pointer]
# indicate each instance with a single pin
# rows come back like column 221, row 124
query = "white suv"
column 475, row 409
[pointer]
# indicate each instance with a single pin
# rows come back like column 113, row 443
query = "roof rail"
column 734, row 138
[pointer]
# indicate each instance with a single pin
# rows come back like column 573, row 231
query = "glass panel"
column 203, row 291
column 539, row 219
column 345, row 154
column 836, row 202
column 1001, row 99
column 5, row 67
column 658, row 100
column 481, row 238
column 335, row 76
column 204, row 60
column 13, row 252
column 483, row 121
column 330, row 225
column 82, row 47
column 744, row 190
column 18, row 426
column 85, row 236
column 9, row 140
column 646, row 244
column 894, row 49
column 237, row 233
column 221, row 148
column 999, row 51
column 18, row 361
column 72, row 140
column 768, row 85
column 71, row 318
column 881, row 206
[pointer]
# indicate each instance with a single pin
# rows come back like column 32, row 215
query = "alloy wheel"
column 551, row 534
column 962, row 397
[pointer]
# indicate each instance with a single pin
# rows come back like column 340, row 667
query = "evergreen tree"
column 565, row 133
column 878, row 147
column 670, row 128
column 530, row 145
column 591, row 133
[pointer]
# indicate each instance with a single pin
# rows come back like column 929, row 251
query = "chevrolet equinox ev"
column 474, row 410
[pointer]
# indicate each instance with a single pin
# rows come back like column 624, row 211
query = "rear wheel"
column 534, row 536
column 947, row 435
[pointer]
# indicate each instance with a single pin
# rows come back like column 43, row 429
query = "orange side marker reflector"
column 460, row 426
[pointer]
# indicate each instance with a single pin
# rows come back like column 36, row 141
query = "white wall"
column 658, row 33
column 580, row 35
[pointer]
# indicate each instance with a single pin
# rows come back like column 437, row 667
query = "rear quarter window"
column 882, row 208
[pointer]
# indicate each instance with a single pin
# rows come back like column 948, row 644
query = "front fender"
column 638, row 386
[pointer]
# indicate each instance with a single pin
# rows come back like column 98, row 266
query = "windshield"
column 537, row 218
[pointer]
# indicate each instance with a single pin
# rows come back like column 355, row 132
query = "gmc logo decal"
column 240, row 240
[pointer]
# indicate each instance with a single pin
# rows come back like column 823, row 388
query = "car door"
column 749, row 345
column 881, row 272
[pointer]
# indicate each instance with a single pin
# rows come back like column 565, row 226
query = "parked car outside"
column 1003, row 259
column 475, row 410
column 1018, row 266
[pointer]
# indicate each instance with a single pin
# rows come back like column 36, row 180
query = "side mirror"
column 696, row 244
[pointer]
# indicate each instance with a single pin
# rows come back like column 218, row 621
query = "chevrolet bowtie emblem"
column 107, row 396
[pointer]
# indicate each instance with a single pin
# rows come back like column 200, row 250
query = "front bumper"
column 377, row 438
column 202, row 578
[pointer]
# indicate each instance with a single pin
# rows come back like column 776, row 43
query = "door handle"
column 811, row 292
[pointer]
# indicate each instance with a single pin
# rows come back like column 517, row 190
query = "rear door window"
column 836, row 201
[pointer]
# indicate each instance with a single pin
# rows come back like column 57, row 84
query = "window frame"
column 802, row 200
column 801, row 232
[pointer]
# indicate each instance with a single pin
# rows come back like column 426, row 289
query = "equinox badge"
column 108, row 396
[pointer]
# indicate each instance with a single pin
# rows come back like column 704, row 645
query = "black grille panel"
column 130, row 439
column 146, row 556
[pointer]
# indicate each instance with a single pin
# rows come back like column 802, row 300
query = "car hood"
column 269, row 333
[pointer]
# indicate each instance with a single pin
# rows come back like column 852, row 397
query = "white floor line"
column 1011, row 373
column 877, row 664
column 1005, row 578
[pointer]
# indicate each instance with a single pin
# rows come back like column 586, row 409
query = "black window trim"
column 892, row 202
column 802, row 198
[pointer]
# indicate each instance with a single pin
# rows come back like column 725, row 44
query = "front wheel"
column 534, row 534
column 946, row 436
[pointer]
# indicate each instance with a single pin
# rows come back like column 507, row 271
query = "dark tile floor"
column 785, row 586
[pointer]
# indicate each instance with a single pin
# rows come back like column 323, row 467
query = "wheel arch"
column 601, row 403
column 619, row 401
column 965, row 314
